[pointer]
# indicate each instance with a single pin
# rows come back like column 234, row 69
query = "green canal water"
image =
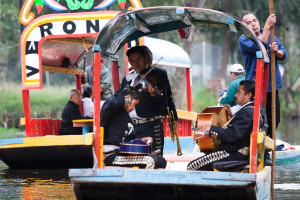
column 55, row 184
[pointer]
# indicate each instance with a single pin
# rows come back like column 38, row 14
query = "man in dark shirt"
column 118, row 128
column 235, row 137
column 70, row 113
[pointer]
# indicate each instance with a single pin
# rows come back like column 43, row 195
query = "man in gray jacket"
column 106, row 81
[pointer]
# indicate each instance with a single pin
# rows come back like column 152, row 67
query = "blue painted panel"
column 163, row 177
column 186, row 143
column 259, row 54
column 230, row 20
column 11, row 141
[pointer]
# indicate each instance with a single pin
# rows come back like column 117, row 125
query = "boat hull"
column 48, row 152
column 50, row 157
column 126, row 183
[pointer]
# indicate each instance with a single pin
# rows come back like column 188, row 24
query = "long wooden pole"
column 271, row 8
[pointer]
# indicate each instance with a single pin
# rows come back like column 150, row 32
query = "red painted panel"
column 188, row 90
column 26, row 105
column 184, row 128
column 97, row 97
column 115, row 75
column 265, row 82
column 34, row 128
column 257, row 102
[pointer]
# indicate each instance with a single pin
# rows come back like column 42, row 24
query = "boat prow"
column 128, row 183
column 64, row 151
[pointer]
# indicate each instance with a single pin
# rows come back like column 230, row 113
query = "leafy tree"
column 9, row 40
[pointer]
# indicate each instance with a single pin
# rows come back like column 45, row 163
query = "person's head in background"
column 75, row 96
column 236, row 70
column 88, row 92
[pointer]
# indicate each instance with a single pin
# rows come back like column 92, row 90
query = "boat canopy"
column 55, row 51
column 133, row 24
column 168, row 54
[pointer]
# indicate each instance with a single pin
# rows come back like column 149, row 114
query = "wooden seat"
column 83, row 122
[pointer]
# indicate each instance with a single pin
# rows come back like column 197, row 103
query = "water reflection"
column 35, row 184
column 287, row 181
column 55, row 184
column 289, row 131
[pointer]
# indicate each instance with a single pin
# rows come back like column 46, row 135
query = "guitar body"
column 216, row 116
column 135, row 147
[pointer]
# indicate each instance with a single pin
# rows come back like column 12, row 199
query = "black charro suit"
column 150, row 107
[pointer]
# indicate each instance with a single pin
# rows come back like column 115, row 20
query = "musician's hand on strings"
column 206, row 129
column 228, row 108
column 151, row 90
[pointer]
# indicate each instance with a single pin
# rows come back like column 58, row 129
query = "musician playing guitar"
column 118, row 129
column 235, row 136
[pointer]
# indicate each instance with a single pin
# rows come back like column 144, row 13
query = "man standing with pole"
column 249, row 49
column 274, row 93
column 277, row 52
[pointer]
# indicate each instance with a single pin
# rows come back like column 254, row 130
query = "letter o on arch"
column 69, row 27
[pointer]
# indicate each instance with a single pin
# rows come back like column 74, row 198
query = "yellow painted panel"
column 61, row 140
column 83, row 120
column 265, row 140
column 22, row 120
column 187, row 115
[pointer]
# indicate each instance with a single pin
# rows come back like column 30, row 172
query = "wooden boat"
column 286, row 152
column 288, row 155
column 48, row 49
column 174, row 182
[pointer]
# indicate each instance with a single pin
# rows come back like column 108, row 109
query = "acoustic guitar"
column 216, row 116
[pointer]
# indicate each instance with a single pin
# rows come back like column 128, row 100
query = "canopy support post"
column 26, row 105
column 115, row 75
column 188, row 89
column 98, row 138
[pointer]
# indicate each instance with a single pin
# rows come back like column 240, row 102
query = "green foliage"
column 45, row 103
column 6, row 133
column 202, row 99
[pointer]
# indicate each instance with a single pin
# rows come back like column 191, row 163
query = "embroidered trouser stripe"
column 135, row 160
column 207, row 159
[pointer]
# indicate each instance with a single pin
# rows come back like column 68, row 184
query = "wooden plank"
column 72, row 41
column 187, row 115
column 83, row 122
column 61, row 70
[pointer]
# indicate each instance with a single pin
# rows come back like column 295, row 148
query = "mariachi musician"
column 235, row 136
column 118, row 129
column 148, row 115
